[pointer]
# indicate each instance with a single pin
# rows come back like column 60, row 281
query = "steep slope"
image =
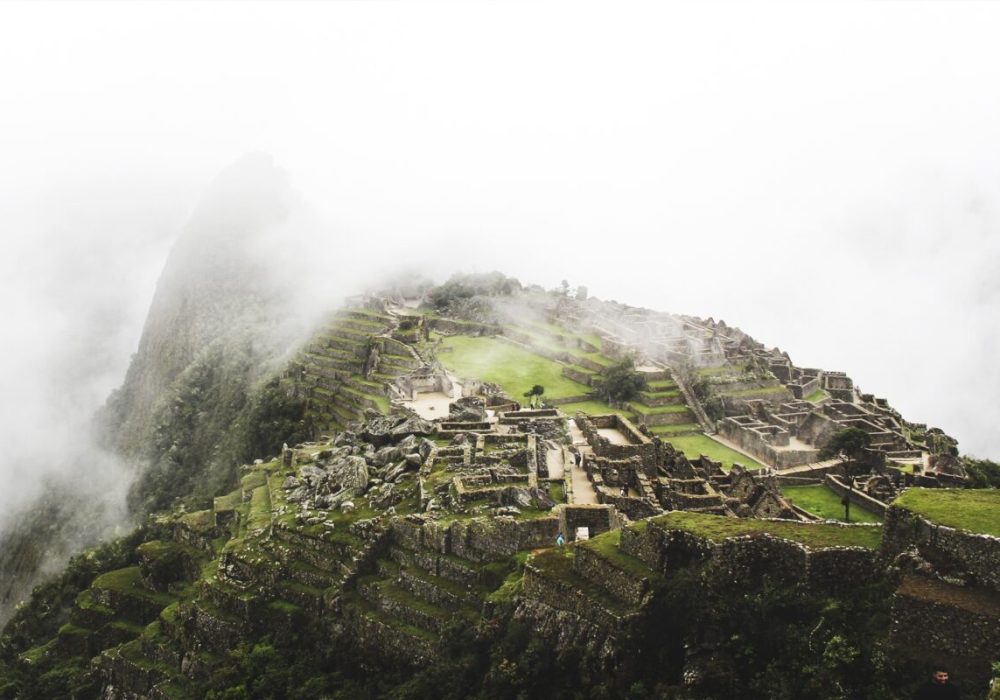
column 398, row 557
column 211, row 330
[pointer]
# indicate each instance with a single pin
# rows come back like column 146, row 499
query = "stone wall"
column 738, row 560
column 640, row 445
column 478, row 539
column 933, row 622
column 598, row 518
column 975, row 557
column 450, row 326
column 622, row 585
column 577, row 375
column 858, row 497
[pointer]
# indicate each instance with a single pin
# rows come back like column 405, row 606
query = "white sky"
column 825, row 176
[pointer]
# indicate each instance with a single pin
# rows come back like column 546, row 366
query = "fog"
column 824, row 176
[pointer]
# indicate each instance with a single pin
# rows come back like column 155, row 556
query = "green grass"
column 594, row 408
column 694, row 445
column 817, row 396
column 661, row 393
column 732, row 370
column 606, row 547
column 557, row 492
column 975, row 510
column 199, row 520
column 663, row 430
column 129, row 581
column 661, row 385
column 557, row 563
column 227, row 502
column 819, row 535
column 260, row 508
column 821, row 501
column 598, row 358
column 513, row 368
column 657, row 410
column 36, row 654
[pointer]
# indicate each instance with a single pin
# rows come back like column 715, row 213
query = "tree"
column 621, row 383
column 536, row 391
column 851, row 445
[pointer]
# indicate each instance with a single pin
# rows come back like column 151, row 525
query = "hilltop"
column 416, row 461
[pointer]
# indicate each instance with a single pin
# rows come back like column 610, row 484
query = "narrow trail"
column 554, row 460
column 583, row 490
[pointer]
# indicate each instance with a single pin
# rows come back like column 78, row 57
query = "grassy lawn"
column 817, row 396
column 656, row 410
column 694, row 445
column 823, row 502
column 975, row 510
column 734, row 370
column 718, row 528
column 514, row 369
column 661, row 385
column 606, row 546
column 594, row 408
column 675, row 429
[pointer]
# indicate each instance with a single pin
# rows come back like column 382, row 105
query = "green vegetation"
column 718, row 528
column 593, row 408
column 511, row 367
column 606, row 546
column 557, row 492
column 675, row 429
column 621, row 383
column 659, row 385
column 821, row 501
column 658, row 410
column 817, row 396
column 695, row 445
column 983, row 473
column 974, row 510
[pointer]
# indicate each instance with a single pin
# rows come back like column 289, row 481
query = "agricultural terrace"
column 822, row 502
column 695, row 445
column 513, row 368
column 974, row 510
column 817, row 535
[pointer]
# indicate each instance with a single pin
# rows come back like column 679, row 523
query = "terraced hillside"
column 470, row 554
column 336, row 372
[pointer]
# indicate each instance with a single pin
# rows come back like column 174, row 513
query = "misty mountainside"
column 396, row 510
column 178, row 422
column 211, row 330
column 487, row 489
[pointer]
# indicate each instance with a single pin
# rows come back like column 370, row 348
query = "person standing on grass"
column 560, row 540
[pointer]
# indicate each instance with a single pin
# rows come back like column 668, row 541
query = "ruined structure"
column 633, row 539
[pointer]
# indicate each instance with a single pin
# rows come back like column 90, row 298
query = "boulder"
column 384, row 430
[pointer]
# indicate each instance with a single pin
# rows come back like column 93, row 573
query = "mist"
column 825, row 176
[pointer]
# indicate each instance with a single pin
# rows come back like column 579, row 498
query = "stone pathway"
column 554, row 460
column 583, row 490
